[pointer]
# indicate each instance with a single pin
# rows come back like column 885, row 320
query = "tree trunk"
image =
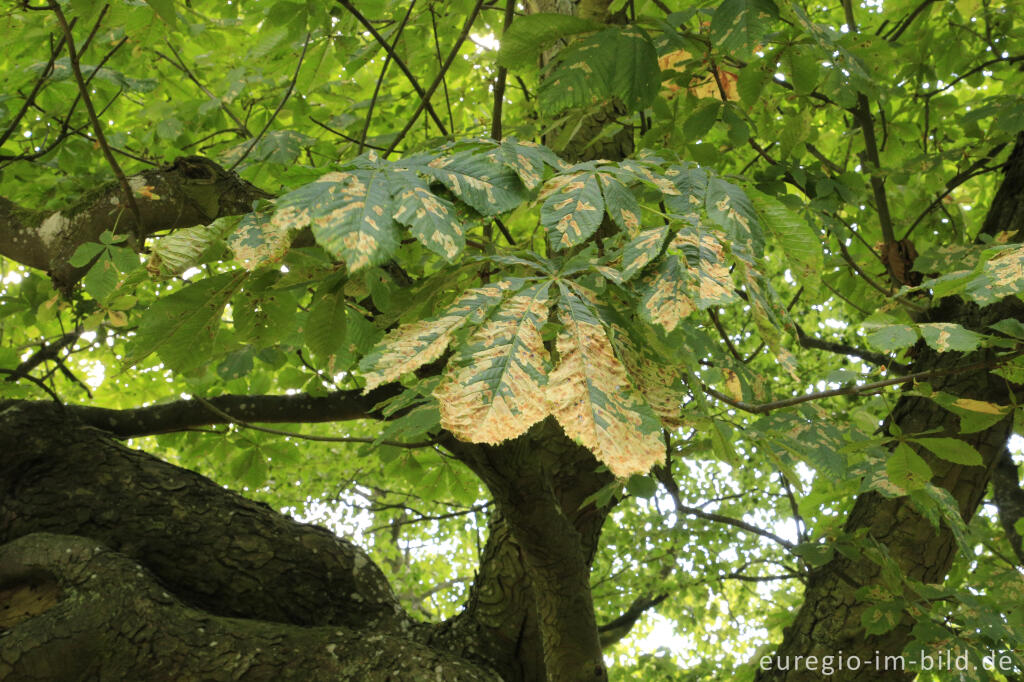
column 829, row 621
column 228, row 562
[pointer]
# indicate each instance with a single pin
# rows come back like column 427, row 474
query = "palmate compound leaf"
column 573, row 208
column 591, row 396
column 351, row 212
column 491, row 388
column 413, row 345
column 693, row 275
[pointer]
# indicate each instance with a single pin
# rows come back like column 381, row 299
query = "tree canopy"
column 613, row 339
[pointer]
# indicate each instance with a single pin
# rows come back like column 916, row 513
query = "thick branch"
column 613, row 631
column 207, row 545
column 191, row 191
column 299, row 408
column 82, row 610
column 557, row 535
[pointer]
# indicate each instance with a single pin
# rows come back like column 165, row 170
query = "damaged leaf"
column 491, row 387
column 591, row 396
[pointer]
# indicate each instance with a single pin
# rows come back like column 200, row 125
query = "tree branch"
column 398, row 60
column 101, row 139
column 762, row 408
column 190, row 191
column 182, row 414
column 615, row 630
column 425, row 99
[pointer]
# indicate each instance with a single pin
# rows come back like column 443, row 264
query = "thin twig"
column 343, row 135
column 762, row 408
column 287, row 94
column 398, row 60
column 181, row 66
column 844, row 349
column 380, row 80
column 501, row 78
column 444, row 81
column 666, row 479
column 43, row 75
column 101, row 138
column 424, row 102
column 38, row 382
column 975, row 169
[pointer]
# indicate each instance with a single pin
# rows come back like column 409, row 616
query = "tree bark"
column 829, row 621
column 76, row 610
column 1009, row 500
column 529, row 615
column 226, row 586
column 190, row 191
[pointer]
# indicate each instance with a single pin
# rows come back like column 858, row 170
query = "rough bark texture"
column 227, row 562
column 227, row 586
column 829, row 622
column 84, row 612
column 190, row 191
column 539, row 483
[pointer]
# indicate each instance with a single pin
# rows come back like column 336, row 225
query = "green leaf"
column 249, row 467
column 432, row 219
column 181, row 327
column 641, row 250
column 815, row 553
column 702, row 119
column 641, row 486
column 879, row 618
column 890, row 337
column 729, row 206
column 617, row 63
column 952, row 450
column 906, row 468
column 803, row 66
column 475, row 179
column 737, row 26
column 752, row 80
column 176, row 252
column 529, row 35
column 795, row 238
column 235, row 364
column 165, row 10
column 620, row 204
column 527, row 160
column 101, row 280
column 946, row 336
column 326, row 324
column 351, row 213
column 85, row 253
